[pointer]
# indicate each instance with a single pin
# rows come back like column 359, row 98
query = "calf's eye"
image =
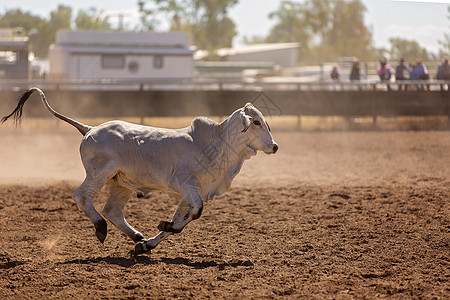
column 256, row 122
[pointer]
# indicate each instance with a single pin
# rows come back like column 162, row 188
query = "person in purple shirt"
column 443, row 71
column 384, row 71
column 420, row 72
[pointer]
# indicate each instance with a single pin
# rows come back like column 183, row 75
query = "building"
column 121, row 55
column 14, row 51
column 282, row 54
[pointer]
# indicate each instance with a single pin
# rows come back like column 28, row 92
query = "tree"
column 326, row 29
column 214, row 28
column 91, row 19
column 206, row 20
column 17, row 18
column 409, row 50
column 291, row 27
column 291, row 17
column 445, row 44
column 42, row 32
column 30, row 24
column 150, row 9
column 61, row 18
column 346, row 33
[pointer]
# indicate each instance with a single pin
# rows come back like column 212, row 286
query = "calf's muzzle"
column 275, row 148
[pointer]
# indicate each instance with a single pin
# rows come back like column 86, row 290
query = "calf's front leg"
column 184, row 214
column 189, row 208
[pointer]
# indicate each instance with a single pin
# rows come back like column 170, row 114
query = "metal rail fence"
column 115, row 99
column 279, row 84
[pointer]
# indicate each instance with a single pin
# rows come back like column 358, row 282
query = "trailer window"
column 113, row 61
column 158, row 61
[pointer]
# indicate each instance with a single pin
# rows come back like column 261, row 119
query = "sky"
column 423, row 21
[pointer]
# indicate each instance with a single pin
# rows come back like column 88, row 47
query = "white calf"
column 192, row 164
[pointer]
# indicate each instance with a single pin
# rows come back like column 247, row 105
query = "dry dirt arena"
column 333, row 215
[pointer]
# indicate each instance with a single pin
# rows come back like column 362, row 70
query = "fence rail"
column 114, row 104
column 278, row 84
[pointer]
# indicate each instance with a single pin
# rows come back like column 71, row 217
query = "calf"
column 191, row 164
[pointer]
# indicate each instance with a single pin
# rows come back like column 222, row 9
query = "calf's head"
column 257, row 130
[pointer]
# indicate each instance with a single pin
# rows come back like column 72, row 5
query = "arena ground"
column 333, row 215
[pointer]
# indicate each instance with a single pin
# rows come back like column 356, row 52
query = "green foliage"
column 91, row 19
column 409, row 50
column 444, row 51
column 346, row 34
column 46, row 32
column 290, row 27
column 206, row 20
column 17, row 18
column 42, row 32
column 326, row 29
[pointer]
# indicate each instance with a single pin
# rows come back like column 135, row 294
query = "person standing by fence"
column 420, row 72
column 384, row 71
column 400, row 76
column 355, row 72
column 443, row 71
column 335, row 74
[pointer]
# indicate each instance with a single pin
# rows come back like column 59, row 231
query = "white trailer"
column 121, row 55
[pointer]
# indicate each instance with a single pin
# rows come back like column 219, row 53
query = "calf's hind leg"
column 118, row 197
column 84, row 196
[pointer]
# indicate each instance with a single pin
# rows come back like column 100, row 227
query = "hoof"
column 141, row 248
column 165, row 226
column 101, row 230
column 143, row 195
column 137, row 237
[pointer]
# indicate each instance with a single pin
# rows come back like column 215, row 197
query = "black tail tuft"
column 17, row 112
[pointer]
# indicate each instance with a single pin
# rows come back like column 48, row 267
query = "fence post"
column 299, row 122
column 366, row 71
column 322, row 74
column 448, row 106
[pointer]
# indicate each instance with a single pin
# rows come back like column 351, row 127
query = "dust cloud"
column 40, row 158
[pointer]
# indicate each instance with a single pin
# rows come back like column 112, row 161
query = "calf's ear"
column 247, row 106
column 246, row 120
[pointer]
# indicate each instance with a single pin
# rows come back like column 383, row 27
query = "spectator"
column 354, row 74
column 400, row 76
column 443, row 71
column 384, row 71
column 419, row 72
column 412, row 74
column 335, row 74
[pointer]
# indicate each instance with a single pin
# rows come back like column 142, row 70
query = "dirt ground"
column 333, row 215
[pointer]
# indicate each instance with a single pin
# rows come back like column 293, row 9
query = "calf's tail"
column 17, row 112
